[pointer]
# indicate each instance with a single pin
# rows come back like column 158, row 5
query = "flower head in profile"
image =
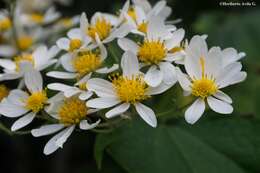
column 125, row 90
column 69, row 112
column 156, row 52
column 24, row 104
column 207, row 73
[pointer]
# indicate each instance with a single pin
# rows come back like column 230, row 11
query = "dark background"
column 23, row 154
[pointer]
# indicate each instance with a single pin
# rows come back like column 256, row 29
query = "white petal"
column 158, row 7
column 23, row 121
column 66, row 61
column 40, row 56
column 183, row 80
column 60, row 141
column 127, row 45
column 10, row 76
column 153, row 77
column 63, row 43
column 11, row 110
column 84, row 125
column 195, row 111
column 7, row 51
column 118, row 110
column 169, row 73
column 222, row 96
column 106, row 70
column 74, row 34
column 17, row 97
column 46, row 130
column 7, row 64
column 102, row 103
column 146, row 114
column 129, row 64
column 61, row 75
column 176, row 39
column 85, row 95
column 240, row 77
column 213, row 62
column 33, row 81
column 219, row 106
column 121, row 32
column 159, row 89
column 58, row 87
column 101, row 87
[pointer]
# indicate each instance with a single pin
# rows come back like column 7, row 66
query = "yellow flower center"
column 4, row 91
column 152, row 52
column 66, row 22
column 5, row 24
column 205, row 86
column 22, row 58
column 72, row 111
column 75, row 44
column 132, row 14
column 24, row 42
column 36, row 101
column 102, row 28
column 37, row 18
column 86, row 63
column 143, row 27
column 130, row 89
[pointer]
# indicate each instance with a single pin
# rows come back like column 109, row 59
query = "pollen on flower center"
column 143, row 27
column 4, row 91
column 72, row 111
column 36, row 101
column 37, row 18
column 86, row 63
column 5, row 24
column 130, row 89
column 74, row 44
column 24, row 42
column 102, row 28
column 204, row 87
column 152, row 52
column 25, row 57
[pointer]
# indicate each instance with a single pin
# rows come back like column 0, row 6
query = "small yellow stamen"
column 36, row 101
column 36, row 18
column 4, row 91
column 24, row 42
column 130, row 89
column 5, row 24
column 152, row 52
column 102, row 28
column 143, row 27
column 72, row 111
column 75, row 44
column 22, row 58
column 86, row 63
column 204, row 87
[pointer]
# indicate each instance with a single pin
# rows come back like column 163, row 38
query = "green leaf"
column 215, row 145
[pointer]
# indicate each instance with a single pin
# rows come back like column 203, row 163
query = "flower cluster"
column 86, row 88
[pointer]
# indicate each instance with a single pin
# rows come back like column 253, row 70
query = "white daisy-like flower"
column 83, row 62
column 80, row 88
column 32, row 19
column 158, row 50
column 138, row 16
column 207, row 74
column 40, row 59
column 105, row 26
column 25, row 105
column 69, row 113
column 125, row 90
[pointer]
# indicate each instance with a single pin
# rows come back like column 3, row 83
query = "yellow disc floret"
column 5, row 24
column 72, row 111
column 36, row 18
column 74, row 44
column 22, row 58
column 4, row 91
column 36, row 101
column 86, row 63
column 204, row 87
column 102, row 28
column 143, row 27
column 24, row 42
column 152, row 52
column 130, row 89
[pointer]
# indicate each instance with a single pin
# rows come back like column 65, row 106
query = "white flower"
column 80, row 88
column 207, row 73
column 23, row 104
column 125, row 90
column 83, row 62
column 105, row 26
column 156, row 51
column 69, row 113
column 40, row 59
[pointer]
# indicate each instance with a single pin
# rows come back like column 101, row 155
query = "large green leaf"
column 215, row 145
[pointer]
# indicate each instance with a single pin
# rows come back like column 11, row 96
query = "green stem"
column 10, row 133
